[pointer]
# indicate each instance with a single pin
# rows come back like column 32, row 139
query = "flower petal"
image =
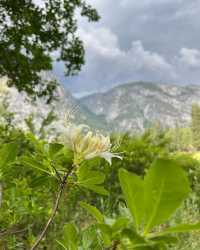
column 108, row 156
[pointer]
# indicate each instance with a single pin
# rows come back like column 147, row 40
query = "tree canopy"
column 32, row 33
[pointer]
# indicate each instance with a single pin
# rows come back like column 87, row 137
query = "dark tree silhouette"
column 30, row 31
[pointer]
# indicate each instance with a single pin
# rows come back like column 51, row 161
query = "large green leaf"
column 165, row 187
column 133, row 190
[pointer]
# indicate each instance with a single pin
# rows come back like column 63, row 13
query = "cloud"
column 148, row 60
column 139, row 40
column 146, row 3
column 107, row 63
column 190, row 57
column 100, row 41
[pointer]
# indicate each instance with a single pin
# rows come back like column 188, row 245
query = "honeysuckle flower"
column 87, row 144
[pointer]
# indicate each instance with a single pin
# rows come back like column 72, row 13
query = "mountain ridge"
column 135, row 106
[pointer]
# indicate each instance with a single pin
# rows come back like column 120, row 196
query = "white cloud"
column 100, row 41
column 103, row 43
column 150, row 40
column 190, row 57
column 147, row 59
column 107, row 62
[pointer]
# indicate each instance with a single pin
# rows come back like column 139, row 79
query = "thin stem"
column 55, row 208
column 57, row 173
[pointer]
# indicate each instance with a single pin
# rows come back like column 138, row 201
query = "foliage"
column 69, row 192
column 188, row 212
column 31, row 33
column 151, row 202
column 34, row 168
column 196, row 125
column 140, row 151
column 181, row 139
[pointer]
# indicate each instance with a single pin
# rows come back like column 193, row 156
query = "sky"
column 148, row 40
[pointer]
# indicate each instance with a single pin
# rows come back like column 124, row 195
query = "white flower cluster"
column 79, row 138
column 86, row 144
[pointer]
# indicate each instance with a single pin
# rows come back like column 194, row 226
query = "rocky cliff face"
column 80, row 113
column 36, row 111
column 136, row 106
column 128, row 107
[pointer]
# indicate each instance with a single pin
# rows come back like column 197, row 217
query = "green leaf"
column 61, row 244
column 181, row 228
column 30, row 162
column 106, row 234
column 167, row 239
column 91, row 179
column 87, row 176
column 120, row 224
column 90, row 238
column 70, row 237
column 39, row 181
column 133, row 190
column 94, row 178
column 8, row 154
column 97, row 189
column 136, row 241
column 55, row 149
column 93, row 211
column 165, row 187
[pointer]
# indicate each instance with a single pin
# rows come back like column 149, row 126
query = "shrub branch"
column 54, row 210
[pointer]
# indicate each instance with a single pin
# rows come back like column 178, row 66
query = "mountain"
column 137, row 105
column 36, row 111
column 80, row 113
column 128, row 107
